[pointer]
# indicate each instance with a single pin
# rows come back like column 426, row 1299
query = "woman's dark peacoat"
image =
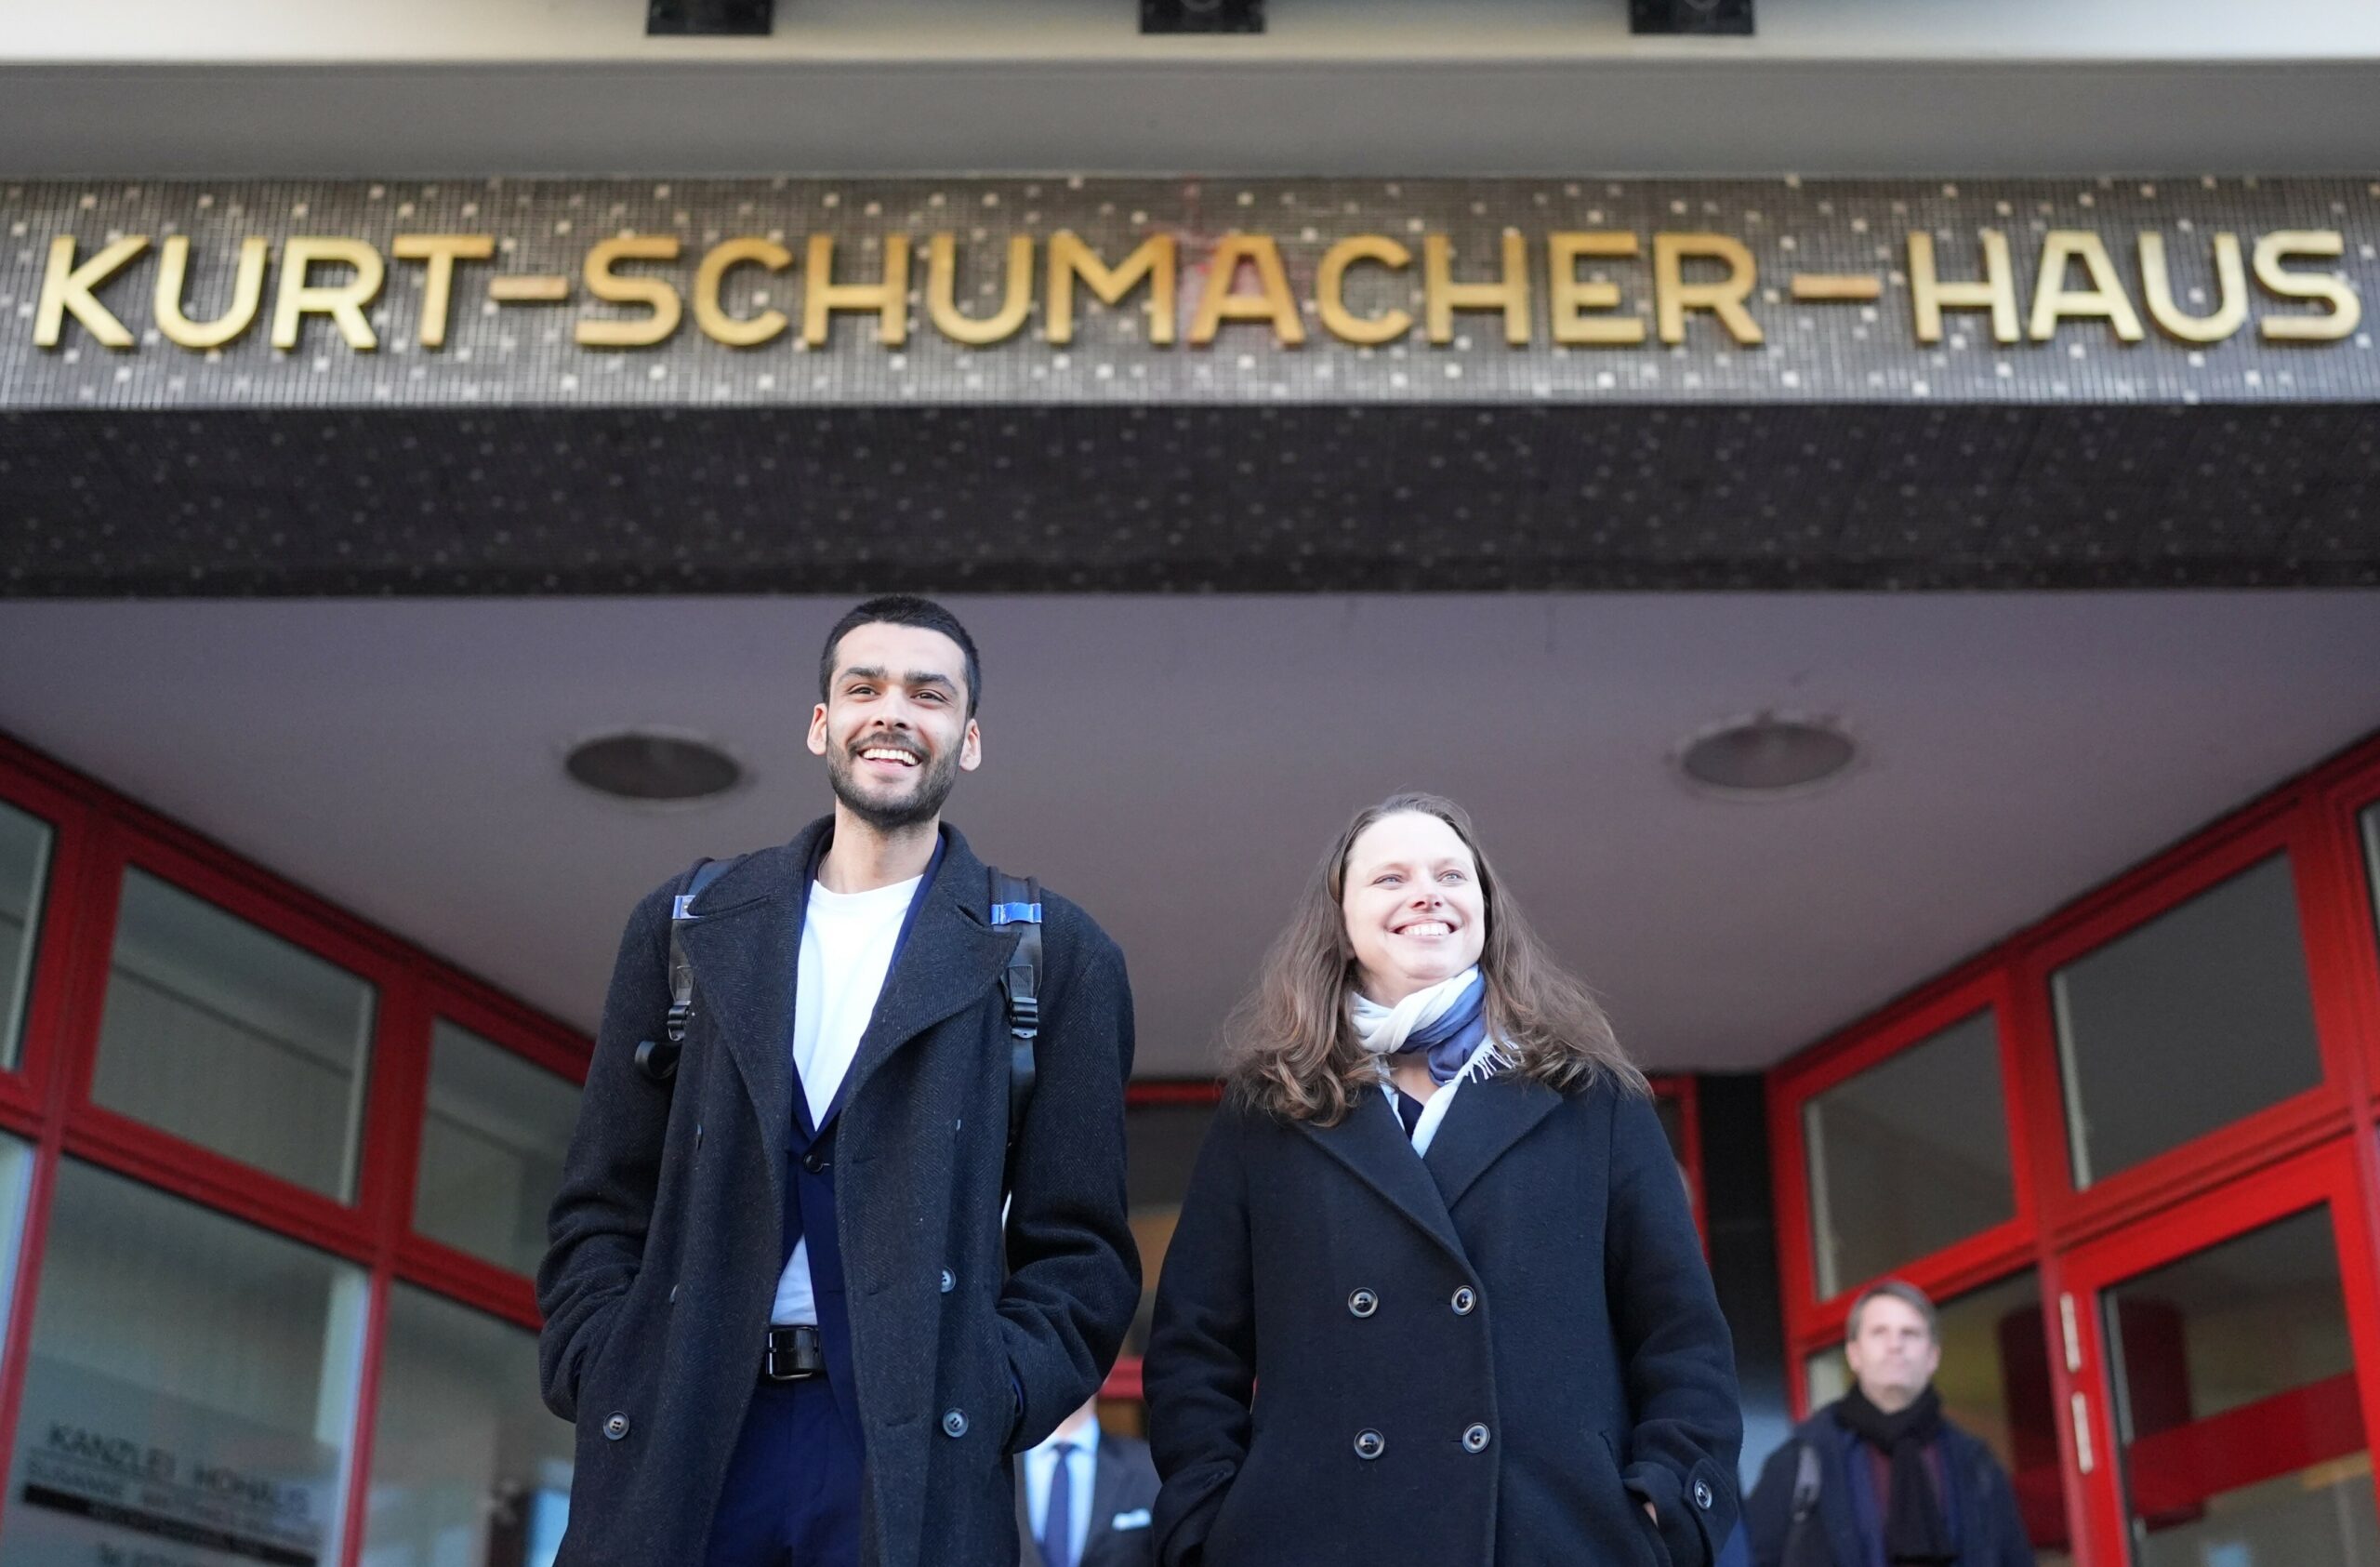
column 1365, row 1358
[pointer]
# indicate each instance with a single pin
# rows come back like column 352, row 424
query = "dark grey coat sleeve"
column 1677, row 1356
column 1200, row 1372
column 1074, row 1277
column 595, row 1230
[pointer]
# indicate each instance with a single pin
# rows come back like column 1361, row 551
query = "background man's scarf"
column 1914, row 1535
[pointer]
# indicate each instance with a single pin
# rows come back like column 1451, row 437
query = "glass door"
column 2218, row 1418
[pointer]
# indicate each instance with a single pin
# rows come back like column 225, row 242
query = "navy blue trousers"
column 792, row 1492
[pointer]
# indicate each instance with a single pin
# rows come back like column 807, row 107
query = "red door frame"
column 2325, row 1177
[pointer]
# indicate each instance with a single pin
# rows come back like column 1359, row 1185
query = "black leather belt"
column 793, row 1354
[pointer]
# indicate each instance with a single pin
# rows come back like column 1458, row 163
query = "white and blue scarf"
column 1446, row 1024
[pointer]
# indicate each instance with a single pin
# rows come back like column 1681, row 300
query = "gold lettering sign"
column 633, row 290
column 247, row 294
column 1224, row 302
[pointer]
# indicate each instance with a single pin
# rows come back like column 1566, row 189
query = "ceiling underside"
column 1177, row 763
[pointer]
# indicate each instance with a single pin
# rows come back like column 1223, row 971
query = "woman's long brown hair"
column 1291, row 1049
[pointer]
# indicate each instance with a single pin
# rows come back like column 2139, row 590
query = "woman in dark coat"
column 1435, row 1298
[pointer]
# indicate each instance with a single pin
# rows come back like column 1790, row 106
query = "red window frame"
column 1965, row 1264
column 2319, row 1145
column 98, row 836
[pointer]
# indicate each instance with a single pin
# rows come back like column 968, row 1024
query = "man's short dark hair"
column 903, row 609
column 1908, row 1295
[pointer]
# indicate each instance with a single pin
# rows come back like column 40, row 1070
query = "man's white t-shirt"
column 847, row 940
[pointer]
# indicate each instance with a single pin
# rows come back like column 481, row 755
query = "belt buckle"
column 781, row 1362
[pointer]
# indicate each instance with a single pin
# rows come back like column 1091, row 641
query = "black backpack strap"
column 1805, row 1482
column 656, row 1058
column 1017, row 901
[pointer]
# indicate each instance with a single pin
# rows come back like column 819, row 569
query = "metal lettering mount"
column 1202, row 15
column 1691, row 16
column 710, row 18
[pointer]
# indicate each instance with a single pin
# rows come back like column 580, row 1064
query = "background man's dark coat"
column 1585, row 1342
column 1991, row 1529
column 666, row 1241
column 1123, row 1484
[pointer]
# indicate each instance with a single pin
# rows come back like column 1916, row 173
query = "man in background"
column 1083, row 1497
column 1879, row 1478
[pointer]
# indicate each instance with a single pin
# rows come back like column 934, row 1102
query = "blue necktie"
column 1058, row 1518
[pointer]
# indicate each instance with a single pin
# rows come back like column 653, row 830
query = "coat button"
column 615, row 1428
column 699, row 1134
column 954, row 1423
column 673, row 1294
column 949, row 1280
column 813, row 1162
column 1702, row 1497
column 1464, row 1299
column 1369, row 1445
column 1476, row 1440
column 1363, row 1302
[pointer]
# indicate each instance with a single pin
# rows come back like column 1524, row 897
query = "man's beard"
column 935, row 777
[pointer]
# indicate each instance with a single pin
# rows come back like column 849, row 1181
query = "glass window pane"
column 1995, row 1384
column 2237, row 1407
column 1161, row 1144
column 1672, row 1111
column 218, row 1032
column 1909, row 1156
column 2371, row 855
column 24, row 864
column 493, row 1139
column 190, row 1389
column 467, row 1467
column 16, row 1180
column 2210, row 1002
column 1827, row 1377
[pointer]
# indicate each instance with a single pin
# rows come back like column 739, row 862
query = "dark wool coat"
column 1362, row 1357
column 1990, row 1527
column 666, row 1238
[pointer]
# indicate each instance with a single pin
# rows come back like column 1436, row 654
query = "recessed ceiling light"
column 652, row 767
column 1768, row 756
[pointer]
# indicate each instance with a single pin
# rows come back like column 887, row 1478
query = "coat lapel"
column 745, row 956
column 1369, row 1142
column 1486, row 1119
column 953, row 956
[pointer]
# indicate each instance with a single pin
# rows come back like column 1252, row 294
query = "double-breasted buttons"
column 1363, row 1302
column 1369, row 1445
column 949, row 1280
column 954, row 1422
column 615, row 1428
column 1702, row 1497
column 1464, row 1299
column 1474, row 1440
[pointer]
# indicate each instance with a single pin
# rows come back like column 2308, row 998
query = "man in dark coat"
column 781, row 1304
column 1879, row 1478
column 1096, row 1487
